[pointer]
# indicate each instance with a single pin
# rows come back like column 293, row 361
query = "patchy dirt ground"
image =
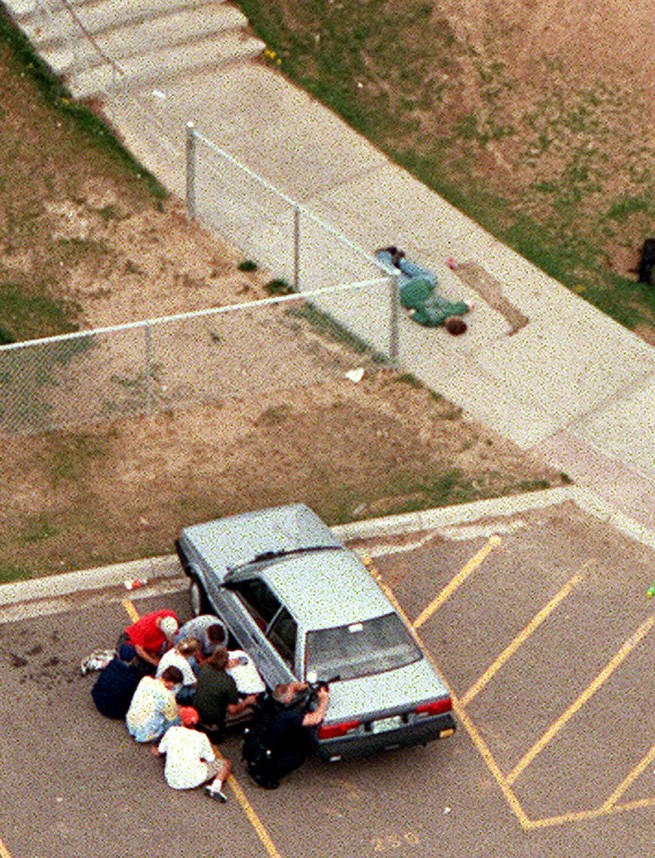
column 350, row 451
column 85, row 243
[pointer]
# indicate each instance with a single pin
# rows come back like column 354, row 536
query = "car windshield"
column 360, row 649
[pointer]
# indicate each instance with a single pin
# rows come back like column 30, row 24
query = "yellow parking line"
column 457, row 581
column 487, row 756
column 520, row 639
column 607, row 671
column 579, row 815
column 629, row 780
column 458, row 709
column 255, row 821
column 4, row 852
column 132, row 612
column 249, row 811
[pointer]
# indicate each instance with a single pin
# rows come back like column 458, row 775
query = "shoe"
column 216, row 794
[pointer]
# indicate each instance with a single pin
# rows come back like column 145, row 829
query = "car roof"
column 231, row 541
column 326, row 588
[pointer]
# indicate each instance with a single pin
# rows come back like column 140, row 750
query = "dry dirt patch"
column 349, row 450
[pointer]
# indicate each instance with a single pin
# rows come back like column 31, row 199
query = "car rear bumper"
column 363, row 744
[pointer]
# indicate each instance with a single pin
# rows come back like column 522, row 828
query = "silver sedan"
column 305, row 607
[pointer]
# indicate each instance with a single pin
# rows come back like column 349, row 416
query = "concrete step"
column 47, row 30
column 152, row 35
column 22, row 10
column 159, row 65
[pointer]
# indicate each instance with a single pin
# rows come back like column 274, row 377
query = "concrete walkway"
column 566, row 383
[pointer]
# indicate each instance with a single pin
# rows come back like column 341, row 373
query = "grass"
column 27, row 381
column 51, row 147
column 54, row 94
column 27, row 313
column 396, row 73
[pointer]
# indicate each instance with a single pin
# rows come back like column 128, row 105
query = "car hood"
column 391, row 691
column 234, row 541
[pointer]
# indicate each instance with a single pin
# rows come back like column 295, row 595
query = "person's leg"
column 217, row 772
column 285, row 763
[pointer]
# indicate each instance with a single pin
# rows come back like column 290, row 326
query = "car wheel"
column 198, row 598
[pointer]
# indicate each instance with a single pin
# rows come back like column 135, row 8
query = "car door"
column 262, row 626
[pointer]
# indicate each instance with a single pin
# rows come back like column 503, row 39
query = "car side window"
column 260, row 601
column 282, row 634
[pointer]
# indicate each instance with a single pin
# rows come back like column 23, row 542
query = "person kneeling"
column 154, row 708
column 190, row 758
column 278, row 739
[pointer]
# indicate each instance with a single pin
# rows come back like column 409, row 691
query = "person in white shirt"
column 190, row 759
column 185, row 655
column 244, row 672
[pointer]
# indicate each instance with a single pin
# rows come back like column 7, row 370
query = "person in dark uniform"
column 278, row 740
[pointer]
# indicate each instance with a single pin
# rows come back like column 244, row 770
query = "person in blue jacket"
column 115, row 686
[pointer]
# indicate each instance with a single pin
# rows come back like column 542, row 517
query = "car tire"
column 198, row 598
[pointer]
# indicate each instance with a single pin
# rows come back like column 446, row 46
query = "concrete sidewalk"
column 570, row 385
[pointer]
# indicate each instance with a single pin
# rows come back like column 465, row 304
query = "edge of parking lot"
column 167, row 566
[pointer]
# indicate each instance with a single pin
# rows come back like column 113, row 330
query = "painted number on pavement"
column 395, row 841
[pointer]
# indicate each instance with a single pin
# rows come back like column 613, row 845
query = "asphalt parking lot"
column 539, row 623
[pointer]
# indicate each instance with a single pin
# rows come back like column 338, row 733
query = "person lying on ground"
column 151, row 636
column 190, row 759
column 154, row 708
column 217, row 697
column 115, row 686
column 207, row 629
column 420, row 296
column 184, row 655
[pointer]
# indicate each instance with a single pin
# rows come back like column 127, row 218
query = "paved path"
column 564, row 381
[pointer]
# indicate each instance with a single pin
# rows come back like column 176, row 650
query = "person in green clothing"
column 426, row 305
column 419, row 294
column 217, row 697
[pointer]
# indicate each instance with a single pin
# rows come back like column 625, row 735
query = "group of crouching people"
column 178, row 687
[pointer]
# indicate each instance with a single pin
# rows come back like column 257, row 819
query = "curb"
column 88, row 579
column 167, row 566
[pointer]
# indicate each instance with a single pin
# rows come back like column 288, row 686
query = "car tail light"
column 335, row 731
column 435, row 707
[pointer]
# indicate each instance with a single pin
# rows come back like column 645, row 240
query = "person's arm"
column 145, row 655
column 237, row 708
column 159, row 750
column 207, row 752
column 314, row 718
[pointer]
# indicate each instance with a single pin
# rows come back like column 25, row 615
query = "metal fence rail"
column 277, row 344
column 343, row 305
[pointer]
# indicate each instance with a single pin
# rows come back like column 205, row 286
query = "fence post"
column 148, row 373
column 191, row 170
column 394, row 321
column 296, row 248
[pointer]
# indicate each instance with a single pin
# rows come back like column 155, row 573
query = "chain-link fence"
column 344, row 311
column 286, row 238
column 240, row 351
